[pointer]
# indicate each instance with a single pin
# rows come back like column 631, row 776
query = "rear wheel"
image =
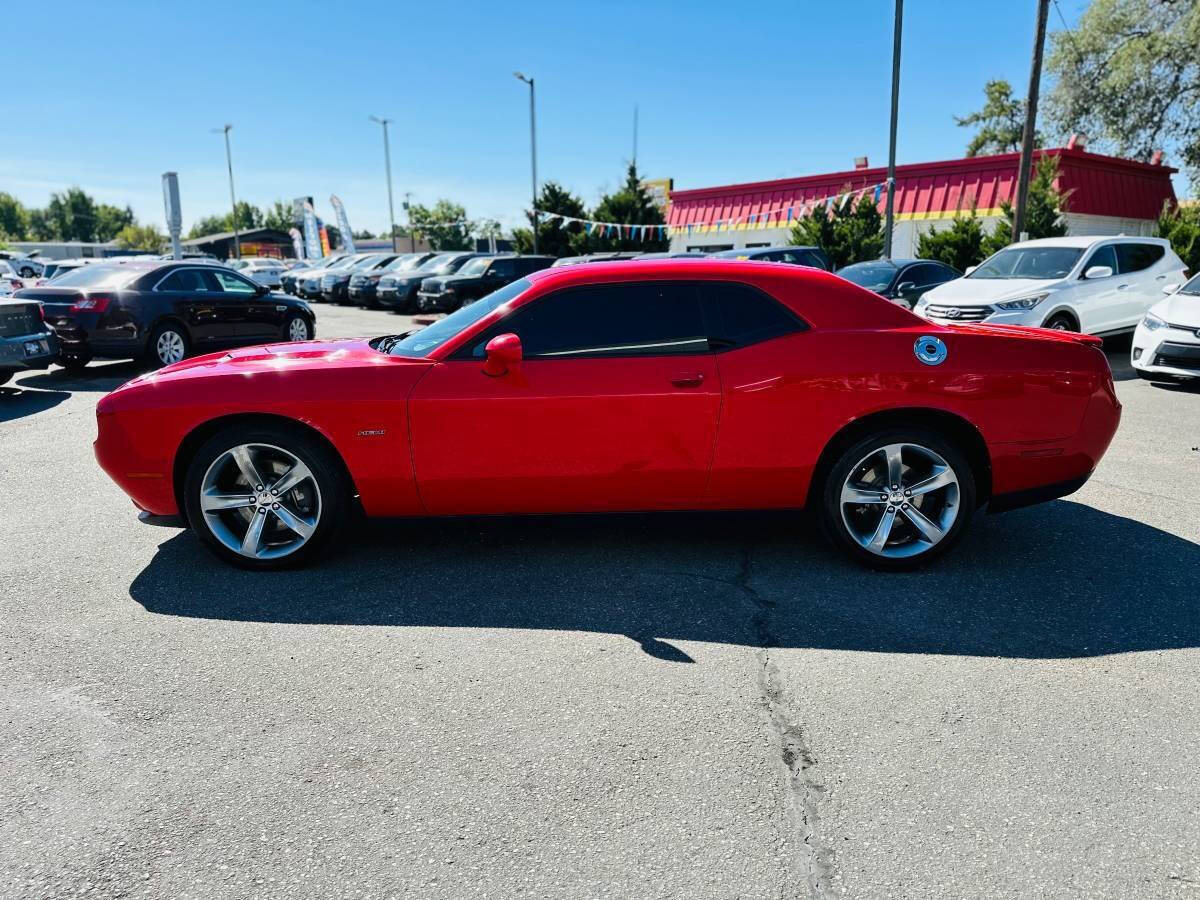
column 265, row 497
column 5, row 374
column 168, row 344
column 1060, row 322
column 898, row 498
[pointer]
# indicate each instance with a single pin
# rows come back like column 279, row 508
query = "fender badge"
column 372, row 432
column 930, row 350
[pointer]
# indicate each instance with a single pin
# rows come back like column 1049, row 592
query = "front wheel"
column 296, row 328
column 1060, row 322
column 168, row 344
column 898, row 498
column 266, row 496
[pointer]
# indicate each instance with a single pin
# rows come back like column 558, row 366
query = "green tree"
column 1128, row 76
column 14, row 218
column 444, row 225
column 847, row 231
column 630, row 205
column 278, row 216
column 1181, row 226
column 961, row 245
column 363, row 235
column 554, row 238
column 40, row 226
column 110, row 220
column 206, row 225
column 72, row 216
column 1000, row 122
column 1043, row 211
column 141, row 237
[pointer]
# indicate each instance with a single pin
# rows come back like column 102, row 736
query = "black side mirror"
column 905, row 286
column 260, row 289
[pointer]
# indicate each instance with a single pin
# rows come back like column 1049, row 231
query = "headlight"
column 1152, row 322
column 920, row 305
column 1022, row 302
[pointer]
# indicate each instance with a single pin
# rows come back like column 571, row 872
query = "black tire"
column 292, row 318
column 5, row 374
column 335, row 492
column 155, row 346
column 27, row 272
column 833, row 523
column 74, row 363
column 1060, row 322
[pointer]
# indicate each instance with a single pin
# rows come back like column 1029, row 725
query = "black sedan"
column 164, row 311
column 902, row 281
column 335, row 283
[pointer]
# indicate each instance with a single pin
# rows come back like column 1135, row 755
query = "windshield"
column 872, row 276
column 404, row 263
column 1192, row 287
column 446, row 264
column 98, row 277
column 425, row 341
column 477, row 266
column 1030, row 262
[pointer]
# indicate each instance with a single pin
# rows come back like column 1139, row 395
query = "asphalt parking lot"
column 626, row 706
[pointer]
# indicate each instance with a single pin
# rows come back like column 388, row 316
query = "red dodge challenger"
column 656, row 385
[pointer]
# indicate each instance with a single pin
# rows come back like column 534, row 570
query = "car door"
column 764, row 358
column 614, row 407
column 248, row 313
column 192, row 295
column 1097, row 301
column 1140, row 285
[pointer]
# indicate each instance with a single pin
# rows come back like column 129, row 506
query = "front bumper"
column 444, row 302
column 1166, row 352
column 363, row 293
column 335, row 292
column 28, row 351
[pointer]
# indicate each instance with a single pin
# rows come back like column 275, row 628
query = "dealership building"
column 1106, row 195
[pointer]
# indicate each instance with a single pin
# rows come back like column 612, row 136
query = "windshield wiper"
column 388, row 342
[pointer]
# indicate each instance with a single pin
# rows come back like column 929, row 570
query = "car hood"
column 969, row 291
column 1179, row 309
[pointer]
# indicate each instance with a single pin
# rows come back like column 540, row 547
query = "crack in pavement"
column 805, row 790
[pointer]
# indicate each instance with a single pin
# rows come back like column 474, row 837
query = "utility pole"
column 891, row 172
column 1031, row 104
column 635, row 124
column 412, row 238
column 532, row 155
column 237, row 242
column 387, row 164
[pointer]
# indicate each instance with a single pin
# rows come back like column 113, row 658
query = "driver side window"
column 1104, row 256
column 650, row 319
column 233, row 284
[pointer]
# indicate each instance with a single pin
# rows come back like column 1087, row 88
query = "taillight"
column 17, row 284
column 41, row 312
column 94, row 303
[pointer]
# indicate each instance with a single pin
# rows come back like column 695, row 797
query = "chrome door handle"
column 692, row 379
column 1121, row 287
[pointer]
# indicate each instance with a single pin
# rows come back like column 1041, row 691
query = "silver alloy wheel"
column 297, row 330
column 170, row 348
column 899, row 500
column 260, row 500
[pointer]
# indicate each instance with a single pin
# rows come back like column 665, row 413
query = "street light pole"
column 237, row 243
column 532, row 155
column 387, row 163
column 891, row 171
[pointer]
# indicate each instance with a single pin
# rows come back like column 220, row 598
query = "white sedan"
column 264, row 270
column 1166, row 343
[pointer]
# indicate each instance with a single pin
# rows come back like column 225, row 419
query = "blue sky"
column 124, row 91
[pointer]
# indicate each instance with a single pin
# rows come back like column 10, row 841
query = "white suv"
column 1097, row 285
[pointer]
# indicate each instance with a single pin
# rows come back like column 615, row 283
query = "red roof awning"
column 1097, row 185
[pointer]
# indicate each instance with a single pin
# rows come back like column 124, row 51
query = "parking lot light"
column 520, row 76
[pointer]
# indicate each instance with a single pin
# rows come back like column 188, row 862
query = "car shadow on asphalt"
column 16, row 402
column 97, row 377
column 1060, row 580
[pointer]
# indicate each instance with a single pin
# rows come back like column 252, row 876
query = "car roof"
column 750, row 251
column 1086, row 240
column 708, row 267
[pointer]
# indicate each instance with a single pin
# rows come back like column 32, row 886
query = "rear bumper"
column 1040, row 494
column 28, row 351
